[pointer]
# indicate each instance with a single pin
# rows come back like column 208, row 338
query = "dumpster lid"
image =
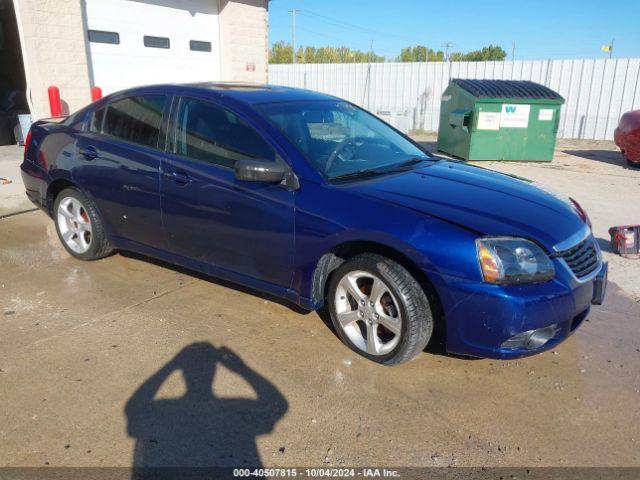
column 506, row 88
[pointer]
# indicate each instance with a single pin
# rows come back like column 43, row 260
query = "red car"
column 627, row 137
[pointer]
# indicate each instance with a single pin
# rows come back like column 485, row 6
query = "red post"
column 96, row 94
column 54, row 101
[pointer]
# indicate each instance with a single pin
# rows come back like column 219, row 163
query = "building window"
column 156, row 42
column 199, row 46
column 100, row 36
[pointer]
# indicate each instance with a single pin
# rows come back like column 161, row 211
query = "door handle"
column 181, row 178
column 89, row 152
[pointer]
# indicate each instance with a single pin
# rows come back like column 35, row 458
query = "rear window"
column 135, row 119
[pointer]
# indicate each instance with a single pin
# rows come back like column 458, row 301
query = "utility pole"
column 611, row 48
column 293, row 32
column 446, row 47
column 513, row 51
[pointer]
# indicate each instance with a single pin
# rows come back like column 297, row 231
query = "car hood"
column 478, row 199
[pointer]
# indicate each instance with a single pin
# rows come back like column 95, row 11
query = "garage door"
column 152, row 41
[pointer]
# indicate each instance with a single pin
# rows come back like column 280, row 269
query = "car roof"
column 251, row 93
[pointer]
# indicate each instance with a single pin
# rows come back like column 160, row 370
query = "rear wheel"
column 379, row 310
column 79, row 226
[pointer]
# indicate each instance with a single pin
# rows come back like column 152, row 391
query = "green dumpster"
column 499, row 120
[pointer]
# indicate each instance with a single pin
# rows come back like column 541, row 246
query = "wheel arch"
column 54, row 188
column 340, row 253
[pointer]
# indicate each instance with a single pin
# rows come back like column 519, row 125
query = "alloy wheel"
column 368, row 312
column 74, row 224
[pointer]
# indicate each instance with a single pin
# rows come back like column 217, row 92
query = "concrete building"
column 115, row 44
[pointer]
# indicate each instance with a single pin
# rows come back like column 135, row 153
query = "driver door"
column 211, row 217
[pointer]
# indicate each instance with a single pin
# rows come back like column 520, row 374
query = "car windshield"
column 342, row 140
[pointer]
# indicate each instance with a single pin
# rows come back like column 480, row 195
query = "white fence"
column 596, row 92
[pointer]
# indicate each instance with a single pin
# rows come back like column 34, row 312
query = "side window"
column 95, row 126
column 135, row 119
column 209, row 133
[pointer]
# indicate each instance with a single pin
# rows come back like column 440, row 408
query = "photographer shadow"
column 200, row 429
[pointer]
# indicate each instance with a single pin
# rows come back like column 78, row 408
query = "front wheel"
column 379, row 309
column 79, row 226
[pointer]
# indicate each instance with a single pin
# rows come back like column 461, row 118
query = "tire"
column 400, row 317
column 79, row 225
column 633, row 164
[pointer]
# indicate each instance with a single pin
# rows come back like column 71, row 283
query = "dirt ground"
column 110, row 363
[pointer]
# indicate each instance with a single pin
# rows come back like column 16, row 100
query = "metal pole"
column 293, row 33
column 447, row 46
column 611, row 48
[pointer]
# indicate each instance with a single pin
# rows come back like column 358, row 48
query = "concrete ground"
column 110, row 363
column 12, row 197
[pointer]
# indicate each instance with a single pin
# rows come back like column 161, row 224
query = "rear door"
column 119, row 161
column 209, row 216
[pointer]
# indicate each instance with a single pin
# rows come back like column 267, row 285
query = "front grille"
column 582, row 258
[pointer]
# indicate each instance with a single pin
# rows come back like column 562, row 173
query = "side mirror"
column 250, row 170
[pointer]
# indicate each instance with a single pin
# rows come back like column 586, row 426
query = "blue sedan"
column 312, row 199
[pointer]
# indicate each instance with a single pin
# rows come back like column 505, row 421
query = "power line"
column 343, row 24
column 342, row 41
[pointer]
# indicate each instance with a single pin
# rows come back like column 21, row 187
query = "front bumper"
column 481, row 317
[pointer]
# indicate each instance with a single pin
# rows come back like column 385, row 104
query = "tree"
column 282, row 52
column 420, row 53
column 414, row 54
column 310, row 54
column 492, row 52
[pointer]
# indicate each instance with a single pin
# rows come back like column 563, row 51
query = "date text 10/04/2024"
column 317, row 472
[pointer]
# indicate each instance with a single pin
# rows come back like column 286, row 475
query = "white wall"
column 244, row 36
column 596, row 92
column 53, row 50
column 130, row 63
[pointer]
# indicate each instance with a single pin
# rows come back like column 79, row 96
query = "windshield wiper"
column 398, row 167
column 372, row 172
column 414, row 160
column 360, row 174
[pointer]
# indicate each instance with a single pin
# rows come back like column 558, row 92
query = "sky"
column 540, row 29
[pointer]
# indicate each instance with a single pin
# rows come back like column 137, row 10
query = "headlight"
column 508, row 261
